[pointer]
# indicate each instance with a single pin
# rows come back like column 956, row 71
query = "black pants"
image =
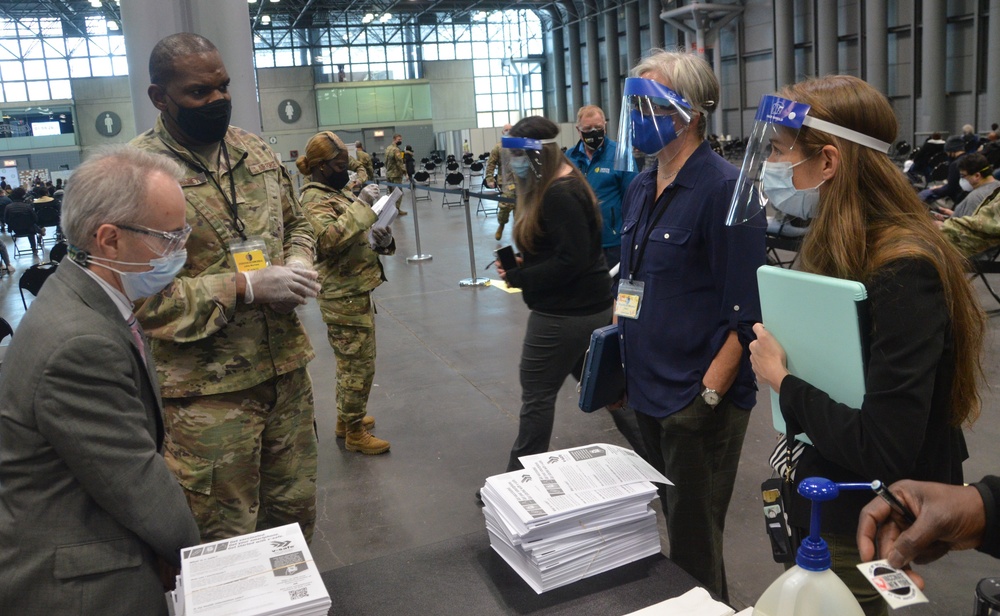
column 553, row 349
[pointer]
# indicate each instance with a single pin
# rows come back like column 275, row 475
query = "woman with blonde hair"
column 825, row 144
column 561, row 271
column 349, row 270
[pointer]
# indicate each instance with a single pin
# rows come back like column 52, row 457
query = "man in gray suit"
column 91, row 520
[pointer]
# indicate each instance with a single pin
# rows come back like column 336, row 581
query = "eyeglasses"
column 172, row 241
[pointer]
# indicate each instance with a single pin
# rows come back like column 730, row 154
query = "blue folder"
column 821, row 322
column 603, row 379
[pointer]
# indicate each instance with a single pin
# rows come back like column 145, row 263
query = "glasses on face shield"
column 168, row 242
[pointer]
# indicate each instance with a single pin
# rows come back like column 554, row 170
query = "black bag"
column 777, row 494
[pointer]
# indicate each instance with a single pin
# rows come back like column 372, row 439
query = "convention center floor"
column 446, row 396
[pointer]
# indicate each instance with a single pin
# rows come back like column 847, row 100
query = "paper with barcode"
column 262, row 573
column 595, row 466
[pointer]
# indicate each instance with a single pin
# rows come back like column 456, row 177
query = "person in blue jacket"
column 594, row 155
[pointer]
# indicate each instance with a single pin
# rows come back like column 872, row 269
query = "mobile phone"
column 506, row 257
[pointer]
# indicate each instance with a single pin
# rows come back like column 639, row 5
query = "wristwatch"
column 711, row 397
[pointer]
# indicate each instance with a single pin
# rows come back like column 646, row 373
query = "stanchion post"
column 419, row 257
column 473, row 281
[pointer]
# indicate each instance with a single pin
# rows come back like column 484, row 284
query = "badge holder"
column 250, row 255
column 629, row 300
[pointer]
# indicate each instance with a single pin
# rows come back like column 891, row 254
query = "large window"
column 38, row 56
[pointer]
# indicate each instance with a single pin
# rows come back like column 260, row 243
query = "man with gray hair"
column 91, row 518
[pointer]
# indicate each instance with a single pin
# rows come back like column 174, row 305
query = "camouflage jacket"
column 366, row 162
column 361, row 174
column 496, row 165
column 344, row 259
column 978, row 232
column 394, row 166
column 204, row 341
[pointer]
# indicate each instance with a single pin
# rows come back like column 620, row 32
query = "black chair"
column 48, row 215
column 452, row 167
column 421, row 178
column 431, row 169
column 455, row 179
column 58, row 252
column 900, row 150
column 33, row 278
column 21, row 224
column 986, row 262
column 939, row 173
column 774, row 242
column 5, row 329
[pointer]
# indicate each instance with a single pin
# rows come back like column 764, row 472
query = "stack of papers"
column 267, row 573
column 385, row 209
column 573, row 513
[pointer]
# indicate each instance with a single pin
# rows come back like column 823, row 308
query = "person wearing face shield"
column 231, row 352
column 686, row 303
column 561, row 271
column 922, row 327
column 89, row 506
column 349, row 271
column 499, row 176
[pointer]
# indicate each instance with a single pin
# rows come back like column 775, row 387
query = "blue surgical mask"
column 137, row 285
column 776, row 182
column 520, row 165
column 652, row 133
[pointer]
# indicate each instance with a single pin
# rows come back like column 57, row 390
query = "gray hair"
column 689, row 75
column 110, row 187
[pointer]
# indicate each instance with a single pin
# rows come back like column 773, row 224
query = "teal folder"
column 820, row 322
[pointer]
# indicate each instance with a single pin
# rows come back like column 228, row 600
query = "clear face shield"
column 652, row 116
column 772, row 153
column 523, row 156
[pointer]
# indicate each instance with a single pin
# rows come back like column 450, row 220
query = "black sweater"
column 902, row 429
column 566, row 273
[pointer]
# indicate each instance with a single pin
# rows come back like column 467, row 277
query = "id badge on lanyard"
column 250, row 255
column 629, row 300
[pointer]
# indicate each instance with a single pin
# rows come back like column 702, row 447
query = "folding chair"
column 422, row 178
column 454, row 179
column 984, row 263
column 33, row 278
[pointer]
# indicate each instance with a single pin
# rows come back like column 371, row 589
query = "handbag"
column 777, row 493
column 603, row 379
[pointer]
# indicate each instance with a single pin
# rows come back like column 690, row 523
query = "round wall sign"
column 289, row 111
column 108, row 124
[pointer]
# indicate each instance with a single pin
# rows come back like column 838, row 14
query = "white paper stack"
column 268, row 573
column 572, row 514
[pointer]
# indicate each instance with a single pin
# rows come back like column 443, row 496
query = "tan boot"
column 499, row 232
column 368, row 423
column 361, row 440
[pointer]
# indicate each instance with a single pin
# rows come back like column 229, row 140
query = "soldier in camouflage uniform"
column 349, row 270
column 365, row 159
column 395, row 168
column 978, row 232
column 497, row 165
column 231, row 354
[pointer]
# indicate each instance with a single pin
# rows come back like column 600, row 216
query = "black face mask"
column 338, row 180
column 206, row 124
column 593, row 138
column 399, row 143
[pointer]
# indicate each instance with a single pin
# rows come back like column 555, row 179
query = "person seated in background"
column 976, row 178
column 21, row 219
column 4, row 202
column 951, row 189
column 921, row 171
column 948, row 518
column 977, row 232
column 970, row 138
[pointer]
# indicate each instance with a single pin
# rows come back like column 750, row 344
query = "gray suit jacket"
column 86, row 500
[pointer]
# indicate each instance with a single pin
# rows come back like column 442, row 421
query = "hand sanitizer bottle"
column 810, row 588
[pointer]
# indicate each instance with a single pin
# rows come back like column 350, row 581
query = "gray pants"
column 553, row 349
column 698, row 449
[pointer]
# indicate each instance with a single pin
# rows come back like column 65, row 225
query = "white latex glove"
column 300, row 264
column 279, row 284
column 382, row 236
column 370, row 194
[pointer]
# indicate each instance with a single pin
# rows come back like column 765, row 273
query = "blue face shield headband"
column 524, row 156
column 652, row 109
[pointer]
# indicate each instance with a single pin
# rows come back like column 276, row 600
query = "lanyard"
column 649, row 232
column 230, row 199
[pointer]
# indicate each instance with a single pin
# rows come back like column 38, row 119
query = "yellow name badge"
column 629, row 299
column 250, row 255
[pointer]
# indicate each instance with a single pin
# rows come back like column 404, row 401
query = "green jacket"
column 978, row 232
column 496, row 165
column 346, row 263
column 366, row 161
column 204, row 341
column 394, row 166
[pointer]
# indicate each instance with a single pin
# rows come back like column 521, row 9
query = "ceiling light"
column 385, row 17
column 113, row 25
column 367, row 18
column 266, row 19
column 274, row 1
column 479, row 15
column 95, row 3
column 251, row 1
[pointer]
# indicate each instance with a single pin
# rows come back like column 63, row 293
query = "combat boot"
column 499, row 232
column 361, row 440
column 368, row 423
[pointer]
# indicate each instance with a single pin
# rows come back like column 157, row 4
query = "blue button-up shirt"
column 609, row 185
column 700, row 278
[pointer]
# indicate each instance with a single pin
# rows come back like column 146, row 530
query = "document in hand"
column 385, row 209
column 265, row 573
column 819, row 321
column 573, row 513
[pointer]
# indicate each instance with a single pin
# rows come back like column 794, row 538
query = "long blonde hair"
column 870, row 216
column 531, row 190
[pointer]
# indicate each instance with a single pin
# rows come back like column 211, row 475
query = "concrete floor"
column 446, row 396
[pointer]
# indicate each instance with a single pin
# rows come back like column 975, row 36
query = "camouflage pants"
column 246, row 459
column 350, row 328
column 504, row 209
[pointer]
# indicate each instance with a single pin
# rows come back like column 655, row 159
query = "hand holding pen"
column 944, row 517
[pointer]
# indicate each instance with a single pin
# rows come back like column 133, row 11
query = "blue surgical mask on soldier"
column 776, row 182
column 520, row 165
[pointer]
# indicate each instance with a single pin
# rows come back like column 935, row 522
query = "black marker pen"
column 890, row 498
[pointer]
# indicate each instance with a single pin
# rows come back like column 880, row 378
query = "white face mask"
column 965, row 184
column 776, row 182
